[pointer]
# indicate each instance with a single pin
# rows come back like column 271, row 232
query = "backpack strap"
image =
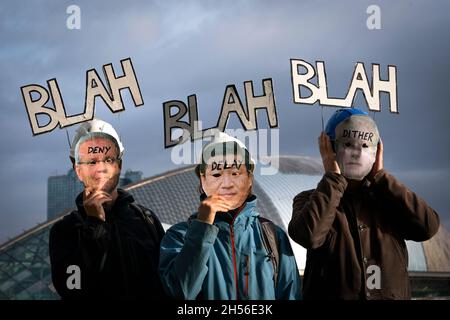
column 153, row 223
column 270, row 242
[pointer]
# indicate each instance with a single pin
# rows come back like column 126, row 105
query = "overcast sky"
column 179, row 48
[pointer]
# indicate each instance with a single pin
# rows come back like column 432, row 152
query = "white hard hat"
column 96, row 126
column 220, row 139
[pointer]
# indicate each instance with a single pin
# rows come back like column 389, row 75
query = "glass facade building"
column 61, row 193
column 25, row 267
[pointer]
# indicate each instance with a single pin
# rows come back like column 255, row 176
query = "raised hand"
column 328, row 155
column 94, row 200
column 378, row 165
column 210, row 206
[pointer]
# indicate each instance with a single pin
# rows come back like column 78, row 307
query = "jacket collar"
column 123, row 199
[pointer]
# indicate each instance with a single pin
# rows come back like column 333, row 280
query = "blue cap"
column 339, row 116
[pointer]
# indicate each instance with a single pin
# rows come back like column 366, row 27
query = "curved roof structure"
column 173, row 196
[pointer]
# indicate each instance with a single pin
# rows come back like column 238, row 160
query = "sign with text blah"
column 110, row 95
column 176, row 111
column 359, row 81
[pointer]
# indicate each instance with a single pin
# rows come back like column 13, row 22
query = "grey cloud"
column 200, row 47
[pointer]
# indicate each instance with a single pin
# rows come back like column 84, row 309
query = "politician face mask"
column 227, row 176
column 356, row 146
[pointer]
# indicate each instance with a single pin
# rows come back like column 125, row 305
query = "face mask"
column 97, row 165
column 356, row 146
column 228, row 177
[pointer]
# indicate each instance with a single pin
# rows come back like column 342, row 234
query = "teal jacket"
column 226, row 260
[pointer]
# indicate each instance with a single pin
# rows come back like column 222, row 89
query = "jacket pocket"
column 246, row 274
column 400, row 248
column 256, row 273
column 330, row 252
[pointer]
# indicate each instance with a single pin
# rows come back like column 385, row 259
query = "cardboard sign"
column 94, row 88
column 231, row 104
column 359, row 81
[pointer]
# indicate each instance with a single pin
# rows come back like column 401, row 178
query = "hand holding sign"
column 210, row 206
column 328, row 155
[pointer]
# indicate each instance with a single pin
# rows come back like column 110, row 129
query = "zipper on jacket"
column 355, row 226
column 233, row 252
column 122, row 261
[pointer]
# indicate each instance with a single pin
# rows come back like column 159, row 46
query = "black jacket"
column 118, row 258
column 348, row 233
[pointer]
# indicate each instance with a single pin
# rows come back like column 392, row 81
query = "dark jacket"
column 347, row 232
column 118, row 258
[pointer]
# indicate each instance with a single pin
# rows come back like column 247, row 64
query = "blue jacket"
column 226, row 260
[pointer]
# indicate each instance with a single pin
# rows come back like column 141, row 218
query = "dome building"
column 173, row 196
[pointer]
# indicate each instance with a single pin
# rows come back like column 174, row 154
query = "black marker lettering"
column 346, row 133
column 104, row 149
